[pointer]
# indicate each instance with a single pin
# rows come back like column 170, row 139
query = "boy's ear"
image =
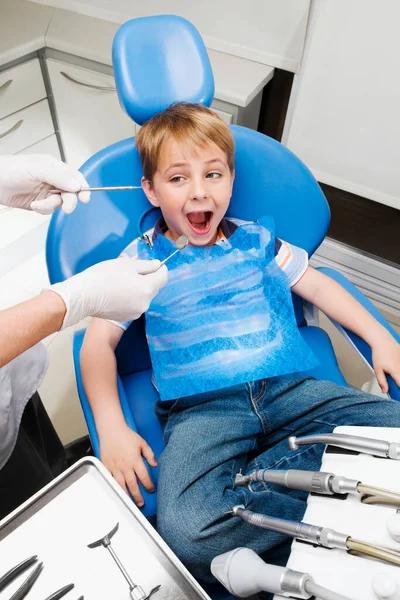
column 150, row 192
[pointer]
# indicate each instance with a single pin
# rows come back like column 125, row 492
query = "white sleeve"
column 292, row 260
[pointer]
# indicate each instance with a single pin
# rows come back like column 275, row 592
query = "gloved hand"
column 119, row 289
column 26, row 180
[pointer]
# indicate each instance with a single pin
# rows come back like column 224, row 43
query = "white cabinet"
column 25, row 117
column 20, row 86
column 26, row 127
column 227, row 117
column 47, row 146
column 343, row 119
column 89, row 114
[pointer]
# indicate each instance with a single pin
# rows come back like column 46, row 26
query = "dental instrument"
column 385, row 587
column 245, row 574
column 350, row 442
column 180, row 244
column 15, row 571
column 136, row 591
column 112, row 188
column 61, row 592
column 319, row 482
column 27, row 584
column 321, row 536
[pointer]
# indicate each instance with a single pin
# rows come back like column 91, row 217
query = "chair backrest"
column 158, row 61
column 269, row 178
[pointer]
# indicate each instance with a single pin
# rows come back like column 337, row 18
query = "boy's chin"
column 207, row 239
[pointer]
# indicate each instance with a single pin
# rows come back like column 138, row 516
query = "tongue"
column 198, row 218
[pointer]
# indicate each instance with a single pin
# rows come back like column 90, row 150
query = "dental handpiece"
column 322, row 536
column 309, row 481
column 350, row 442
column 319, row 482
column 315, row 534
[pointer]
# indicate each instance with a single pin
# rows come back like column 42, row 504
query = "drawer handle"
column 89, row 85
column 13, row 128
column 5, row 85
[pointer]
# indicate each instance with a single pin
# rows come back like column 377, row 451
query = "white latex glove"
column 119, row 289
column 25, row 182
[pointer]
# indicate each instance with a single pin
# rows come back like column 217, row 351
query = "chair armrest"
column 150, row 500
column 360, row 344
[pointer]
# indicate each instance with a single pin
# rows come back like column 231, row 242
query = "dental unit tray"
column 350, row 575
column 57, row 523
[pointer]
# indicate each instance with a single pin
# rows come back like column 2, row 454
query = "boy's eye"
column 213, row 175
column 176, row 179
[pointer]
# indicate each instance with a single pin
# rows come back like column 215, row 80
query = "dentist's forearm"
column 24, row 325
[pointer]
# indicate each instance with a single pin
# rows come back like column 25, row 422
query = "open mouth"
column 200, row 221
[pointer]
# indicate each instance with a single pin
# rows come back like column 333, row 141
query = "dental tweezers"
column 61, row 592
column 23, row 590
column 15, row 571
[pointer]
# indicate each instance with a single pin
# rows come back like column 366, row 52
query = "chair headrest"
column 159, row 61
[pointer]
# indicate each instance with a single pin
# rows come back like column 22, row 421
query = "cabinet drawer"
column 227, row 117
column 89, row 114
column 20, row 86
column 25, row 128
column 48, row 146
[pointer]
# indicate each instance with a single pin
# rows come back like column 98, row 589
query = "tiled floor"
column 23, row 274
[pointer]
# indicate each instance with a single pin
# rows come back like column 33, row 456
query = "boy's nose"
column 198, row 191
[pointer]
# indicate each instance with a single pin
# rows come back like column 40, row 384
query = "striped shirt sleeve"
column 291, row 259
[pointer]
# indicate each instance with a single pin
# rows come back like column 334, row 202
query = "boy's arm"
column 121, row 449
column 327, row 295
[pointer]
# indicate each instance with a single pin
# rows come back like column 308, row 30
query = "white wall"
column 267, row 31
column 343, row 119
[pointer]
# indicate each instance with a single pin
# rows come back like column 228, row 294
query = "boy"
column 226, row 353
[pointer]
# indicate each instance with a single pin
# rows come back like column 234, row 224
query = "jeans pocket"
column 257, row 390
column 176, row 406
column 165, row 408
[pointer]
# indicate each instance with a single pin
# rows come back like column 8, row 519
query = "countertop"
column 27, row 27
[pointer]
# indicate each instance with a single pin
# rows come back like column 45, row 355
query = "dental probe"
column 350, row 442
column 321, row 536
column 319, row 482
column 113, row 188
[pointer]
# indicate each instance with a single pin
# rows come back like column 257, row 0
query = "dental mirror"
column 180, row 244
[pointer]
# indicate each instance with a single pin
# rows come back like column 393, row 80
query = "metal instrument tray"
column 80, row 506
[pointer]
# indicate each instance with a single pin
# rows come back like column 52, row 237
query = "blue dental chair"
column 158, row 61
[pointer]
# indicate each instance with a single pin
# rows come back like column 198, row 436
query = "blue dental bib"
column 225, row 317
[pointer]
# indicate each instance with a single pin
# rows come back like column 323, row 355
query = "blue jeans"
column 211, row 437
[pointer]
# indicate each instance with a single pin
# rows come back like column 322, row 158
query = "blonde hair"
column 186, row 123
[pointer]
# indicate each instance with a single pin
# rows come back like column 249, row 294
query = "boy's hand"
column 386, row 359
column 121, row 453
